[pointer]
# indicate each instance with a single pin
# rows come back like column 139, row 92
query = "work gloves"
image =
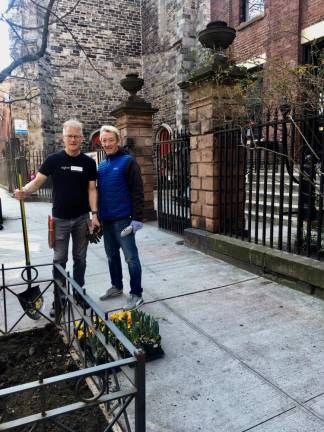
column 136, row 225
column 94, row 235
column 131, row 228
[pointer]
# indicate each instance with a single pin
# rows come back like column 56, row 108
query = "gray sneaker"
column 133, row 302
column 111, row 292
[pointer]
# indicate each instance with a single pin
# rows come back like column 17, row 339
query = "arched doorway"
column 94, row 140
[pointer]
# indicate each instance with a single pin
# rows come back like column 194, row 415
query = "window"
column 255, row 93
column 251, row 9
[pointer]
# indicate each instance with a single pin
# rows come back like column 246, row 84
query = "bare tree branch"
column 75, row 40
column 22, row 99
column 11, row 5
column 31, row 57
column 21, row 27
column 18, row 37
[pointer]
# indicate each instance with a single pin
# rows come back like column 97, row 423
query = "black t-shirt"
column 70, row 177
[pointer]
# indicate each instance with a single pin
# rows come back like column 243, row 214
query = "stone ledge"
column 297, row 271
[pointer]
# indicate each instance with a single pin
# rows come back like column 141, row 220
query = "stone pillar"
column 134, row 120
column 217, row 176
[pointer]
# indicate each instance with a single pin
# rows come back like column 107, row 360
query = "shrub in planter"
column 139, row 328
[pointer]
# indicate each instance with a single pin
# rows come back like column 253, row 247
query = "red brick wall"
column 312, row 12
column 220, row 10
column 277, row 33
column 251, row 38
column 284, row 32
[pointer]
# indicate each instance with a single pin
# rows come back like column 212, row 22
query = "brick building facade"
column 5, row 118
column 279, row 29
column 155, row 38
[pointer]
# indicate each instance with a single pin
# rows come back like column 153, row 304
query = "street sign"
column 21, row 127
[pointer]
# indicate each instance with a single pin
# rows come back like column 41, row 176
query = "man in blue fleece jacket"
column 121, row 203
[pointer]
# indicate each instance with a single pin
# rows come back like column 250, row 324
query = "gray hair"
column 73, row 123
column 109, row 128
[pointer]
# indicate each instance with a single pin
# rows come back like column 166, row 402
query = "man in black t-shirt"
column 74, row 196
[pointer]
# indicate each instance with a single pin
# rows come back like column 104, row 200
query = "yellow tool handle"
column 23, row 221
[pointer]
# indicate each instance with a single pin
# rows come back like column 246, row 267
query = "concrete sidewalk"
column 241, row 353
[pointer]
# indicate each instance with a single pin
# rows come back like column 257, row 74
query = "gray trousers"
column 78, row 229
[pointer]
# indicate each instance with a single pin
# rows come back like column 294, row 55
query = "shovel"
column 31, row 299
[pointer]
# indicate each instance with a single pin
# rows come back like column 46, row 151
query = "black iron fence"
column 116, row 378
column 173, row 182
column 27, row 164
column 33, row 161
column 271, row 183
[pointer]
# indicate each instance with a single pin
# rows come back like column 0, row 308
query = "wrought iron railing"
column 117, row 378
column 173, row 182
column 280, row 203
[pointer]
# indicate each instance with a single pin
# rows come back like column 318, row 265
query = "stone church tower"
column 92, row 48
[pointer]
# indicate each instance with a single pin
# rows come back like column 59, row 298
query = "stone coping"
column 297, row 271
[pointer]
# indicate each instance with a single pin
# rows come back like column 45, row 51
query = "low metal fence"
column 173, row 182
column 278, row 200
column 116, row 382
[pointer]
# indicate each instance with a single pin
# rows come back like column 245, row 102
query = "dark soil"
column 26, row 356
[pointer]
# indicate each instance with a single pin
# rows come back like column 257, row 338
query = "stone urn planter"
column 217, row 35
column 132, row 83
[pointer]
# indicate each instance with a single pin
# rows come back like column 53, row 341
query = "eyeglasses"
column 73, row 136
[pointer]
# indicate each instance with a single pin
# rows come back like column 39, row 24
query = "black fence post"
column 140, row 409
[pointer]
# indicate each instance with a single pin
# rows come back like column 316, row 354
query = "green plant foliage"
column 140, row 328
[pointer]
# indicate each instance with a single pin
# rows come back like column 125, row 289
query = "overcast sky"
column 4, row 39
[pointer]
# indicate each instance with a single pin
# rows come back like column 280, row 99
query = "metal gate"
column 173, row 182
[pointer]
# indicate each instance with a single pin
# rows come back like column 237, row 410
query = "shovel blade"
column 32, row 302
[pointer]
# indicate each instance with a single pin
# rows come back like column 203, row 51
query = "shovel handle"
column 23, row 221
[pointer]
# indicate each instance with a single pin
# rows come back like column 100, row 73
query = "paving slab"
column 292, row 421
column 275, row 330
column 205, row 387
column 317, row 404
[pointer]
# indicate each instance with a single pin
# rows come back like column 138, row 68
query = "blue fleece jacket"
column 114, row 195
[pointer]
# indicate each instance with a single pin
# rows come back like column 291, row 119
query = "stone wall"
column 169, row 35
column 86, row 81
column 89, row 52
column 111, row 35
column 25, row 87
